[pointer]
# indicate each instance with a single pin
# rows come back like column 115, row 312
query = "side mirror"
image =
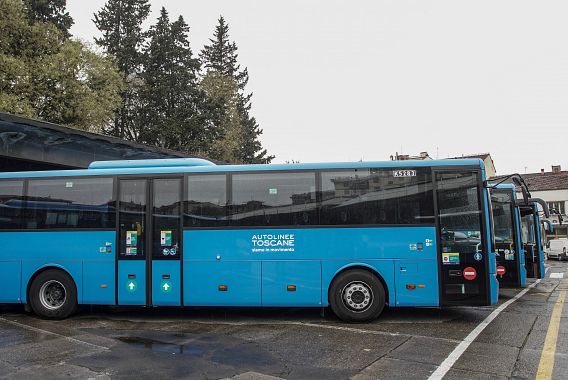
column 517, row 180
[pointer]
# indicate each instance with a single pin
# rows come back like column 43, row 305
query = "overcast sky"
column 350, row 80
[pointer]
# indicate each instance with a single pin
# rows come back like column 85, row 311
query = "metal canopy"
column 27, row 144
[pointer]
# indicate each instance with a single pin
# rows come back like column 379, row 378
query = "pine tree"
column 221, row 56
column 52, row 11
column 120, row 22
column 176, row 112
column 223, row 92
column 252, row 151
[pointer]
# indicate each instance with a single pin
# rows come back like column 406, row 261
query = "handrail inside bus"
column 153, row 163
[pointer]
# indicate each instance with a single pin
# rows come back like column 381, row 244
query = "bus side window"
column 206, row 204
column 11, row 194
column 70, row 203
column 378, row 196
column 274, row 199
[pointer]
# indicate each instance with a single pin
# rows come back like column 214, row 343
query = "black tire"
column 53, row 295
column 357, row 295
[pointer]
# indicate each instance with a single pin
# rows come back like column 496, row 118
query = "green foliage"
column 120, row 22
column 222, row 91
column 45, row 75
column 148, row 86
column 175, row 112
column 52, row 11
column 252, row 151
column 221, row 56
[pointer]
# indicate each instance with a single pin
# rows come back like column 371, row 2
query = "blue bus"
column 511, row 271
column 186, row 232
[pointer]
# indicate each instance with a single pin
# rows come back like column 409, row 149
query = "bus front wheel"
column 53, row 295
column 357, row 295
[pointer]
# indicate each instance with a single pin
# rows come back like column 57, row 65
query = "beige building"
column 552, row 187
column 487, row 162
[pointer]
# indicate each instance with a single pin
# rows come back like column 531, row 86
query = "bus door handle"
column 403, row 269
column 166, row 276
column 131, row 276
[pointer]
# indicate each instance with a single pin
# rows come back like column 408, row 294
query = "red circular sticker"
column 501, row 270
column 469, row 273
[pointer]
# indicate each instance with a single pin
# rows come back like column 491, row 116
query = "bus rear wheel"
column 357, row 295
column 53, row 295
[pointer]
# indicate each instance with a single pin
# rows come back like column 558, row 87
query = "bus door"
column 518, row 239
column 539, row 240
column 463, row 256
column 529, row 242
column 149, row 223
column 510, row 268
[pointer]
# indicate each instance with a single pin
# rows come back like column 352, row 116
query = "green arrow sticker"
column 166, row 286
column 131, row 286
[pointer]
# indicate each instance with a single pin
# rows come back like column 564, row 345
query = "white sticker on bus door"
column 131, row 238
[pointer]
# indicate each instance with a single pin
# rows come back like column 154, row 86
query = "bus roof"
column 169, row 166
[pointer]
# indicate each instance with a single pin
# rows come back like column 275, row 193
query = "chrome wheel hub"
column 357, row 296
column 52, row 295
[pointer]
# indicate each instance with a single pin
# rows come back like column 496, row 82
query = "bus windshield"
column 527, row 229
column 502, row 217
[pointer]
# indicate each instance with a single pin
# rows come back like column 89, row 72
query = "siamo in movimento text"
column 273, row 243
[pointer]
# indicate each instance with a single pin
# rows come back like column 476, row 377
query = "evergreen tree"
column 52, row 11
column 223, row 92
column 120, row 22
column 44, row 75
column 221, row 56
column 176, row 112
column 251, row 150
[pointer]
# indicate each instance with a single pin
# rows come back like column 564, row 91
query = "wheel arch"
column 363, row 266
column 43, row 269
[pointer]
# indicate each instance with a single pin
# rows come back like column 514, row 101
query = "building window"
column 557, row 206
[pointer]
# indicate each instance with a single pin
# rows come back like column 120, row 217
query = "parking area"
column 294, row 344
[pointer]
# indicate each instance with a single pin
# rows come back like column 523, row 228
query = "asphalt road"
column 292, row 344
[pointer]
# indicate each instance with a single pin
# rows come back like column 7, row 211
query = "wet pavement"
column 291, row 344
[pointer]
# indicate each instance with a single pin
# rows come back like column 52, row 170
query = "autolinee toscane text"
column 273, row 243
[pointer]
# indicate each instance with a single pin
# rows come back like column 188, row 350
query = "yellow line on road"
column 546, row 365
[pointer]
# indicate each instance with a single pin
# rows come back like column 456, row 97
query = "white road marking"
column 323, row 326
column 453, row 357
column 556, row 275
column 38, row 330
